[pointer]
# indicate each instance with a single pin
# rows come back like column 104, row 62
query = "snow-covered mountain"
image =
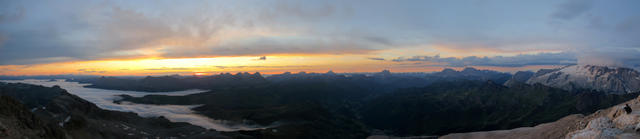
column 616, row 80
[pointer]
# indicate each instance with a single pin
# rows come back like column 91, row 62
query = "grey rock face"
column 616, row 80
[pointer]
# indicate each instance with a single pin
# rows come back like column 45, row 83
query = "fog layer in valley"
column 176, row 113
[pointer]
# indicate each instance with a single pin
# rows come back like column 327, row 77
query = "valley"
column 329, row 69
column 329, row 105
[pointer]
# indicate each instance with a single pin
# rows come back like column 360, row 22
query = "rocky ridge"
column 615, row 80
column 609, row 123
column 68, row 116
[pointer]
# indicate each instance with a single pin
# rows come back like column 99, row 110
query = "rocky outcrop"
column 68, row 116
column 16, row 122
column 599, row 128
column 623, row 125
column 608, row 123
column 617, row 80
column 552, row 130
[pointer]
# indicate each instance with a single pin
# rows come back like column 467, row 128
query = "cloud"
column 2, row 39
column 94, row 30
column 11, row 15
column 91, row 71
column 299, row 45
column 165, row 69
column 9, row 68
column 111, row 30
column 221, row 67
column 629, row 25
column 623, row 57
column 241, row 67
column 376, row 58
column 300, row 10
column 500, row 61
column 572, row 9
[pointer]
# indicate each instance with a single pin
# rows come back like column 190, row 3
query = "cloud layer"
column 34, row 32
column 177, row 113
column 611, row 57
column 500, row 61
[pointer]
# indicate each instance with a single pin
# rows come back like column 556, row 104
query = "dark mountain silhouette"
column 17, row 122
column 470, row 73
column 50, row 112
column 176, row 83
column 465, row 106
column 388, row 80
column 360, row 107
column 322, row 105
column 520, row 77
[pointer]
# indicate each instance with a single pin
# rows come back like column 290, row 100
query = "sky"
column 273, row 36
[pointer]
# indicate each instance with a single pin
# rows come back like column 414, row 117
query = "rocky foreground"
column 608, row 123
column 30, row 111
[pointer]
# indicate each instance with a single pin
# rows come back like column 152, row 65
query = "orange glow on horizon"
column 274, row 64
column 200, row 74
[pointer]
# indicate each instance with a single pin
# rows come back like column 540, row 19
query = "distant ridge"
column 616, row 80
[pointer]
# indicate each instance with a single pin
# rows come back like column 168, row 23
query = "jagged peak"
column 330, row 72
column 602, row 78
column 385, row 71
column 446, row 70
column 469, row 69
column 541, row 72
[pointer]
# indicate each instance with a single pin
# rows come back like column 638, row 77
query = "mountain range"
column 610, row 123
column 616, row 80
column 32, row 111
column 326, row 105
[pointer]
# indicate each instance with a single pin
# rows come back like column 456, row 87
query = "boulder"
column 618, row 110
column 600, row 123
column 598, row 128
column 627, row 121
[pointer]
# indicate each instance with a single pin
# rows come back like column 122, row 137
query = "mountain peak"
column 469, row 69
column 602, row 78
column 330, row 72
column 519, row 77
column 448, row 70
column 385, row 73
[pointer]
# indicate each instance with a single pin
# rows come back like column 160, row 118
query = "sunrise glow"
column 122, row 38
